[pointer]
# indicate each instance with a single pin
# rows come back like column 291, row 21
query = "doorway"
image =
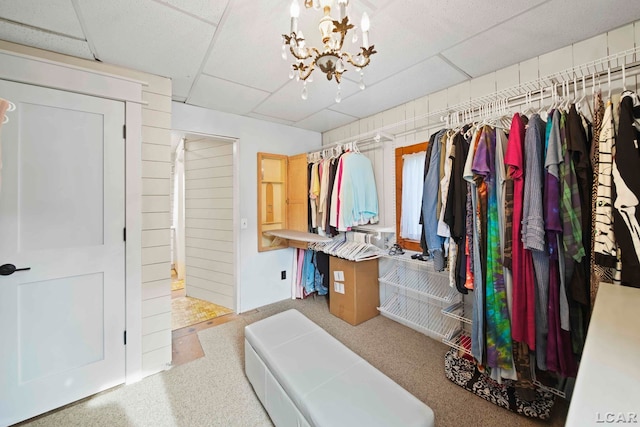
column 203, row 247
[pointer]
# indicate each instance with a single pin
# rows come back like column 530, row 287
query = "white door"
column 61, row 215
column 208, row 166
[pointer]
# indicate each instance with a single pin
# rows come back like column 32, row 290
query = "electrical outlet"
column 283, row 275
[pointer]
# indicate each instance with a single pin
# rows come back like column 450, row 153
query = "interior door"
column 62, row 215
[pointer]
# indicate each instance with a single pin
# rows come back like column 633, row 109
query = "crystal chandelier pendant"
column 291, row 74
column 284, row 52
column 361, row 85
column 338, row 95
column 305, row 92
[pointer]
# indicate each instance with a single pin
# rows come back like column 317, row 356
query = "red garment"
column 523, row 328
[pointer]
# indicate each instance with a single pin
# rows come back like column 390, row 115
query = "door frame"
column 27, row 69
column 178, row 133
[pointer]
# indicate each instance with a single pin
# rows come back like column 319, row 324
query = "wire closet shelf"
column 580, row 78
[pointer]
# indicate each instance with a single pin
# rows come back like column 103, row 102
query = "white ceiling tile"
column 52, row 15
column 271, row 119
column 287, row 102
column 181, row 86
column 541, row 29
column 424, row 78
column 247, row 47
column 178, row 98
column 222, row 95
column 43, row 40
column 209, row 10
column 147, row 36
column 406, row 32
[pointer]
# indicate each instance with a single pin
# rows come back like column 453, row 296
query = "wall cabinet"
column 282, row 198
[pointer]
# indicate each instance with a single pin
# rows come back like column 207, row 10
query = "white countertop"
column 607, row 389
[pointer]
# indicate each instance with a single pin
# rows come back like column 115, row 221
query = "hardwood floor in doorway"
column 185, row 342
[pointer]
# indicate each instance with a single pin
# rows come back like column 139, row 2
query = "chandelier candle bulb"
column 295, row 13
column 342, row 7
column 365, row 30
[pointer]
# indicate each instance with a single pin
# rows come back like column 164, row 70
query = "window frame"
column 409, row 244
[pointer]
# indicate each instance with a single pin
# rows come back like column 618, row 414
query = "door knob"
column 8, row 269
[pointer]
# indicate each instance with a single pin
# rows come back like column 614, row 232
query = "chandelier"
column 330, row 59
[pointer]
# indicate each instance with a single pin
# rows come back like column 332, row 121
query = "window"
column 412, row 183
column 409, row 194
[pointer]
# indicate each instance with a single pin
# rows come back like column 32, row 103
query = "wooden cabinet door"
column 297, row 193
column 272, row 192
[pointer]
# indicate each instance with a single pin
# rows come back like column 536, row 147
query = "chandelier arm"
column 342, row 28
column 297, row 56
column 309, row 69
column 354, row 63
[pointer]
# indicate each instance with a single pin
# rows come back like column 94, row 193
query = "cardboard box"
column 354, row 294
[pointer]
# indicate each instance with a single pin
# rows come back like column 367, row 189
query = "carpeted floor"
column 213, row 390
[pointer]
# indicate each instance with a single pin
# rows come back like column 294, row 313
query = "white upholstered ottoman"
column 305, row 377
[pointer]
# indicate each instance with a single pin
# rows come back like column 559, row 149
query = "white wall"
column 258, row 272
column 410, row 115
column 208, row 232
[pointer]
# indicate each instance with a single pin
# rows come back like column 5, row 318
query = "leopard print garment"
column 598, row 272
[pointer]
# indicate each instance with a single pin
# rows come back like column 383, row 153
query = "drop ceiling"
column 226, row 54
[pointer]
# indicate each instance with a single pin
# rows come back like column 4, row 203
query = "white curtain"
column 412, row 183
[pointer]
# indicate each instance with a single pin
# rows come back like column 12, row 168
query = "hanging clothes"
column 605, row 245
column 523, row 327
column 474, row 271
column 626, row 163
column 430, row 197
column 598, row 273
column 358, row 193
column 576, row 155
column 498, row 331
column 533, row 232
column 559, row 356
column 455, row 212
column 312, row 278
column 553, row 222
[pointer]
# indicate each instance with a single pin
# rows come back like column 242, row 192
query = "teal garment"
column 498, row 325
column 312, row 279
column 359, row 198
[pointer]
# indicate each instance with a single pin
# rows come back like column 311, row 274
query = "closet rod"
column 613, row 65
column 370, row 139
